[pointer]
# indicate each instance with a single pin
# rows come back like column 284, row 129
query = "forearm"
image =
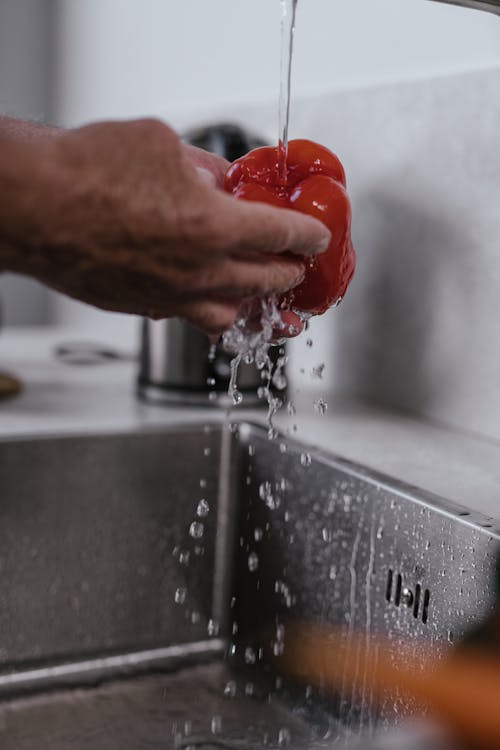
column 26, row 130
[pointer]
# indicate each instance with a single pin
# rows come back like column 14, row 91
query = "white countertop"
column 62, row 399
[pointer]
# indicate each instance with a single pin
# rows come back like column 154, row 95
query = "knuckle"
column 152, row 127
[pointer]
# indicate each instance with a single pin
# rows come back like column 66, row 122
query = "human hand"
column 121, row 217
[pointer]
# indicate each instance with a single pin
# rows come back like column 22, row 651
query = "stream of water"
column 288, row 24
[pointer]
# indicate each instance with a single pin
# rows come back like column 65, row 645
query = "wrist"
column 28, row 178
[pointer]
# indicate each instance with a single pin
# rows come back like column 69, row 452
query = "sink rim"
column 245, row 427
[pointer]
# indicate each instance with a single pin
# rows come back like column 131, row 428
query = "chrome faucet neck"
column 491, row 6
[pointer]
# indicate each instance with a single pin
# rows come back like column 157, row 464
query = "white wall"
column 172, row 57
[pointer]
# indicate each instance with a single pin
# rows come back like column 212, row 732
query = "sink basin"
column 129, row 607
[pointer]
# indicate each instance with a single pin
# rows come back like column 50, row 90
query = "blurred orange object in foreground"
column 462, row 691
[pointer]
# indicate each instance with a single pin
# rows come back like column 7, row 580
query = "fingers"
column 292, row 325
column 244, row 279
column 211, row 317
column 257, row 227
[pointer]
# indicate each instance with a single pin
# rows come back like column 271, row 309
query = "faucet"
column 492, row 6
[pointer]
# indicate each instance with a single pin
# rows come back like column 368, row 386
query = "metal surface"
column 491, row 6
column 94, row 671
column 88, row 530
column 175, row 366
column 344, row 535
column 181, row 710
column 89, row 583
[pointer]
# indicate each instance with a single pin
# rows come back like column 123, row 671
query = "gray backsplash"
column 420, row 327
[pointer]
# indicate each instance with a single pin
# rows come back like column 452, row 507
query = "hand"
column 121, row 217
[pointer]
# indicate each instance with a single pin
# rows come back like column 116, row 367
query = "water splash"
column 320, row 406
column 258, row 328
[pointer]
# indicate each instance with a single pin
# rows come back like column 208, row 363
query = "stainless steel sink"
column 129, row 610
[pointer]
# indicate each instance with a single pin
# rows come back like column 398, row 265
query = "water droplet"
column 211, row 381
column 212, row 396
column 251, row 450
column 250, row 655
column 326, row 534
column 207, row 451
column 249, row 689
column 279, row 381
column 180, row 596
column 213, row 628
column 184, row 556
column 195, row 617
column 203, row 483
column 253, row 562
column 309, row 343
column 203, row 509
column 320, row 406
column 216, row 724
column 231, row 689
column 278, row 648
column 317, row 372
column 305, row 459
column 237, row 397
column 291, row 410
column 333, row 573
column 258, row 534
column 266, row 494
column 196, row 530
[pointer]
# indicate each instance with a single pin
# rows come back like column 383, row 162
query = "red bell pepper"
column 315, row 184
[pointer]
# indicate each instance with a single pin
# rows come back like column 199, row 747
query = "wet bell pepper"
column 314, row 184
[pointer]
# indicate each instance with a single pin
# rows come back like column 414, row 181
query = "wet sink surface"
column 188, row 708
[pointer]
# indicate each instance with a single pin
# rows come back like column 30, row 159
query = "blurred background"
column 406, row 91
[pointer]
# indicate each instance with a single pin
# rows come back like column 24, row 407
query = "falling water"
column 288, row 21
